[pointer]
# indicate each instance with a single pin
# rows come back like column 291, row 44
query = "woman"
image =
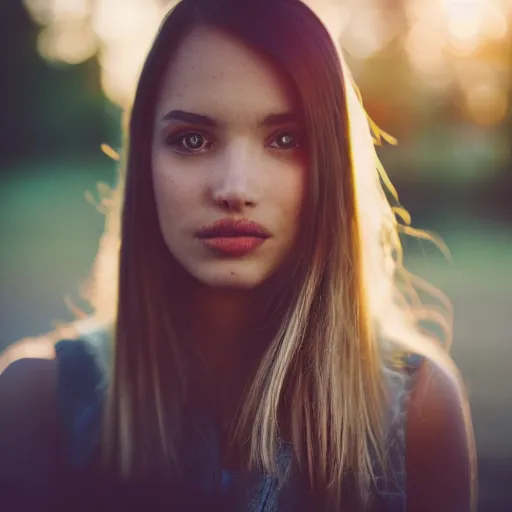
column 268, row 350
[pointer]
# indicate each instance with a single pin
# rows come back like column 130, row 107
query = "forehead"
column 216, row 74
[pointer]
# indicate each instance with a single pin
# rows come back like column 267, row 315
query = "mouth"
column 233, row 228
column 233, row 238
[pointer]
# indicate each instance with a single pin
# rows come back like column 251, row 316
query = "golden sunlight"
column 126, row 30
column 70, row 43
column 441, row 37
column 487, row 103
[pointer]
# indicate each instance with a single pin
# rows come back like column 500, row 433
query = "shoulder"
column 79, row 347
column 27, row 378
column 25, row 381
column 29, row 428
column 36, row 377
column 440, row 444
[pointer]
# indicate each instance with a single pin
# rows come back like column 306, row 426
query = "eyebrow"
column 189, row 117
column 280, row 119
column 202, row 120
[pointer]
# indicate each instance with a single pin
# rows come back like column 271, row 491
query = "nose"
column 234, row 185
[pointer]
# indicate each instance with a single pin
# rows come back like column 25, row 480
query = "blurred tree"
column 47, row 108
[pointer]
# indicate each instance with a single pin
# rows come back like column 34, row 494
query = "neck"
column 227, row 328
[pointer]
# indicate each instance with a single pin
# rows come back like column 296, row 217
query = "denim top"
column 81, row 386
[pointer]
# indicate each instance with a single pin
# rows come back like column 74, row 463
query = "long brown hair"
column 352, row 307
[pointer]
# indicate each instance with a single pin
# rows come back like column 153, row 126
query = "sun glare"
column 442, row 38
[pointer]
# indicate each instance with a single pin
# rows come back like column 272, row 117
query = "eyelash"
column 293, row 133
column 176, row 141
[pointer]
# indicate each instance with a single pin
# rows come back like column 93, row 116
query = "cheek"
column 174, row 191
column 289, row 190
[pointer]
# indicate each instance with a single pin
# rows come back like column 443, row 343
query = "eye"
column 285, row 140
column 191, row 143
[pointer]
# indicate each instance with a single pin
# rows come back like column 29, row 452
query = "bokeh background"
column 436, row 74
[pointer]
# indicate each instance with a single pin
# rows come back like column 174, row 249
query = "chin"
column 231, row 277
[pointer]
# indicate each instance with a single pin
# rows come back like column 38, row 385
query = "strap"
column 81, row 384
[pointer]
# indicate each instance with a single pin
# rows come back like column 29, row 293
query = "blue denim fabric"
column 82, row 382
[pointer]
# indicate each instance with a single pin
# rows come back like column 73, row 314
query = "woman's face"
column 227, row 161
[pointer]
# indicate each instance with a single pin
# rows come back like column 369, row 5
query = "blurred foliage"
column 51, row 108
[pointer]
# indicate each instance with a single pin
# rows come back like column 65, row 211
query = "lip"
column 233, row 228
column 232, row 237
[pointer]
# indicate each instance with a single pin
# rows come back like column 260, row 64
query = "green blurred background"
column 437, row 74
